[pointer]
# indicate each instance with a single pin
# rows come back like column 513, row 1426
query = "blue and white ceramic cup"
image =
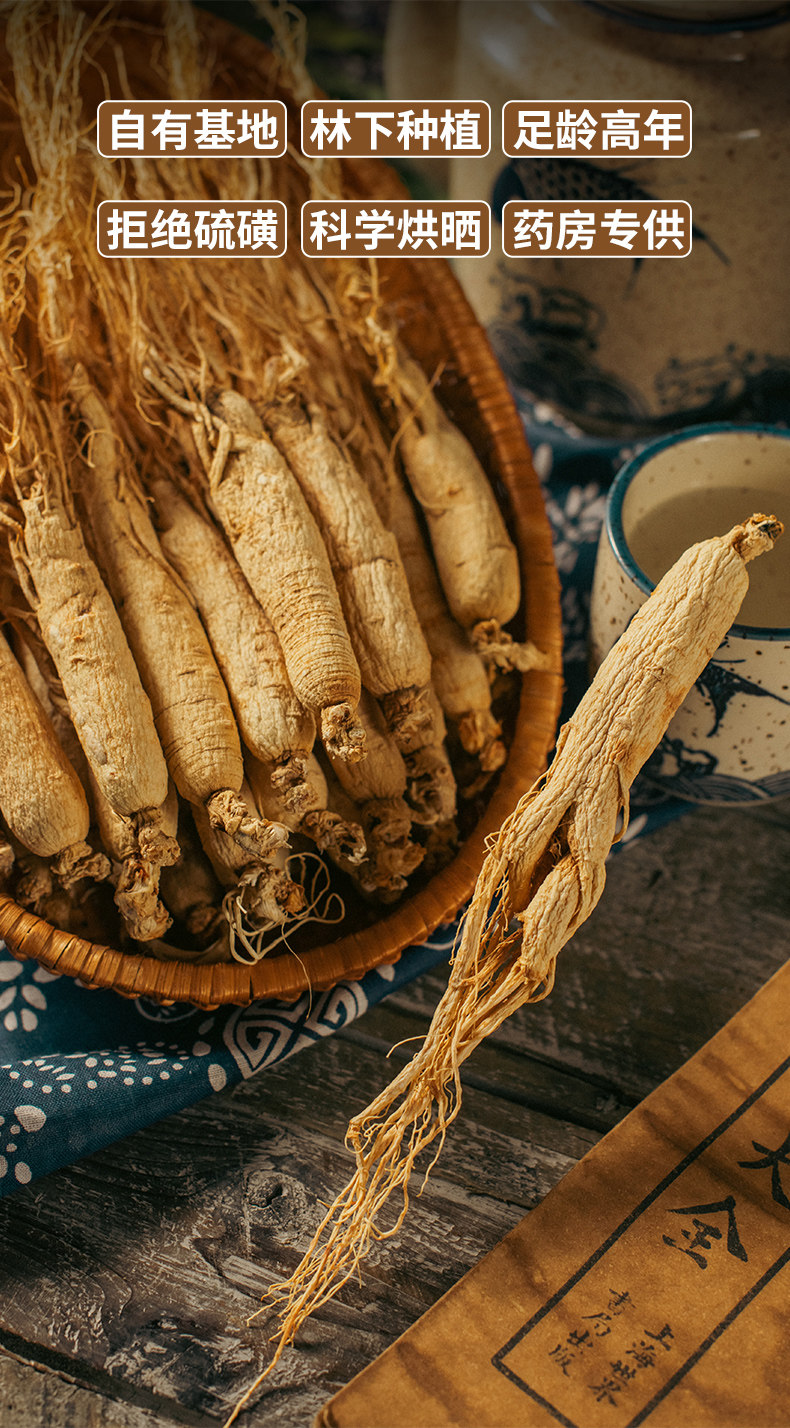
column 730, row 740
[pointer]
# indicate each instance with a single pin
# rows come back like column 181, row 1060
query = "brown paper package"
column 650, row 1285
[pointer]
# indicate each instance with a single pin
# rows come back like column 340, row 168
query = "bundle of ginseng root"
column 542, row 877
column 245, row 517
column 130, row 665
column 134, row 679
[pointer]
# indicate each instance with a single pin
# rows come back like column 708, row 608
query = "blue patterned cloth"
column 82, row 1068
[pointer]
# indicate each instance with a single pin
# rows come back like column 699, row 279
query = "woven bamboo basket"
column 441, row 331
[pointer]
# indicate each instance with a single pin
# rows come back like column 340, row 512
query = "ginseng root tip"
column 255, row 835
column 341, row 732
column 498, row 648
column 756, row 535
column 332, row 834
column 78, row 862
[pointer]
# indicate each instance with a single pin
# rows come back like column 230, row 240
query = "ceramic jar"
column 730, row 740
column 623, row 346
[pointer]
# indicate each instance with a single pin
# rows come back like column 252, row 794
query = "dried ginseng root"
column 329, row 832
column 458, row 673
column 476, row 559
column 191, row 708
column 138, row 847
column 280, row 550
column 41, row 798
column 193, row 895
column 379, row 877
column 138, row 856
column 377, row 787
column 79, row 908
column 273, row 724
column 545, row 871
column 42, row 677
column 34, row 885
column 430, row 781
column 79, row 624
column 393, row 657
column 260, row 894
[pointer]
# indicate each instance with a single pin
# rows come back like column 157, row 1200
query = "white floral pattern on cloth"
column 83, row 1068
column 21, row 1002
column 24, row 1121
column 575, row 523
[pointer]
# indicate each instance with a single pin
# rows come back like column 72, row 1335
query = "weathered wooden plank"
column 30, row 1396
column 692, row 922
column 144, row 1261
column 38, row 1393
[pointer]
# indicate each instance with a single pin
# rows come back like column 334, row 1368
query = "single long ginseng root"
column 458, row 673
column 394, row 660
column 191, row 707
column 544, row 871
column 476, row 558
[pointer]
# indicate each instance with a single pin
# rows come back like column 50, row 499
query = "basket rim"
column 431, row 285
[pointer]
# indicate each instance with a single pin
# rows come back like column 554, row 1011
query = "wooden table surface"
column 126, row 1280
